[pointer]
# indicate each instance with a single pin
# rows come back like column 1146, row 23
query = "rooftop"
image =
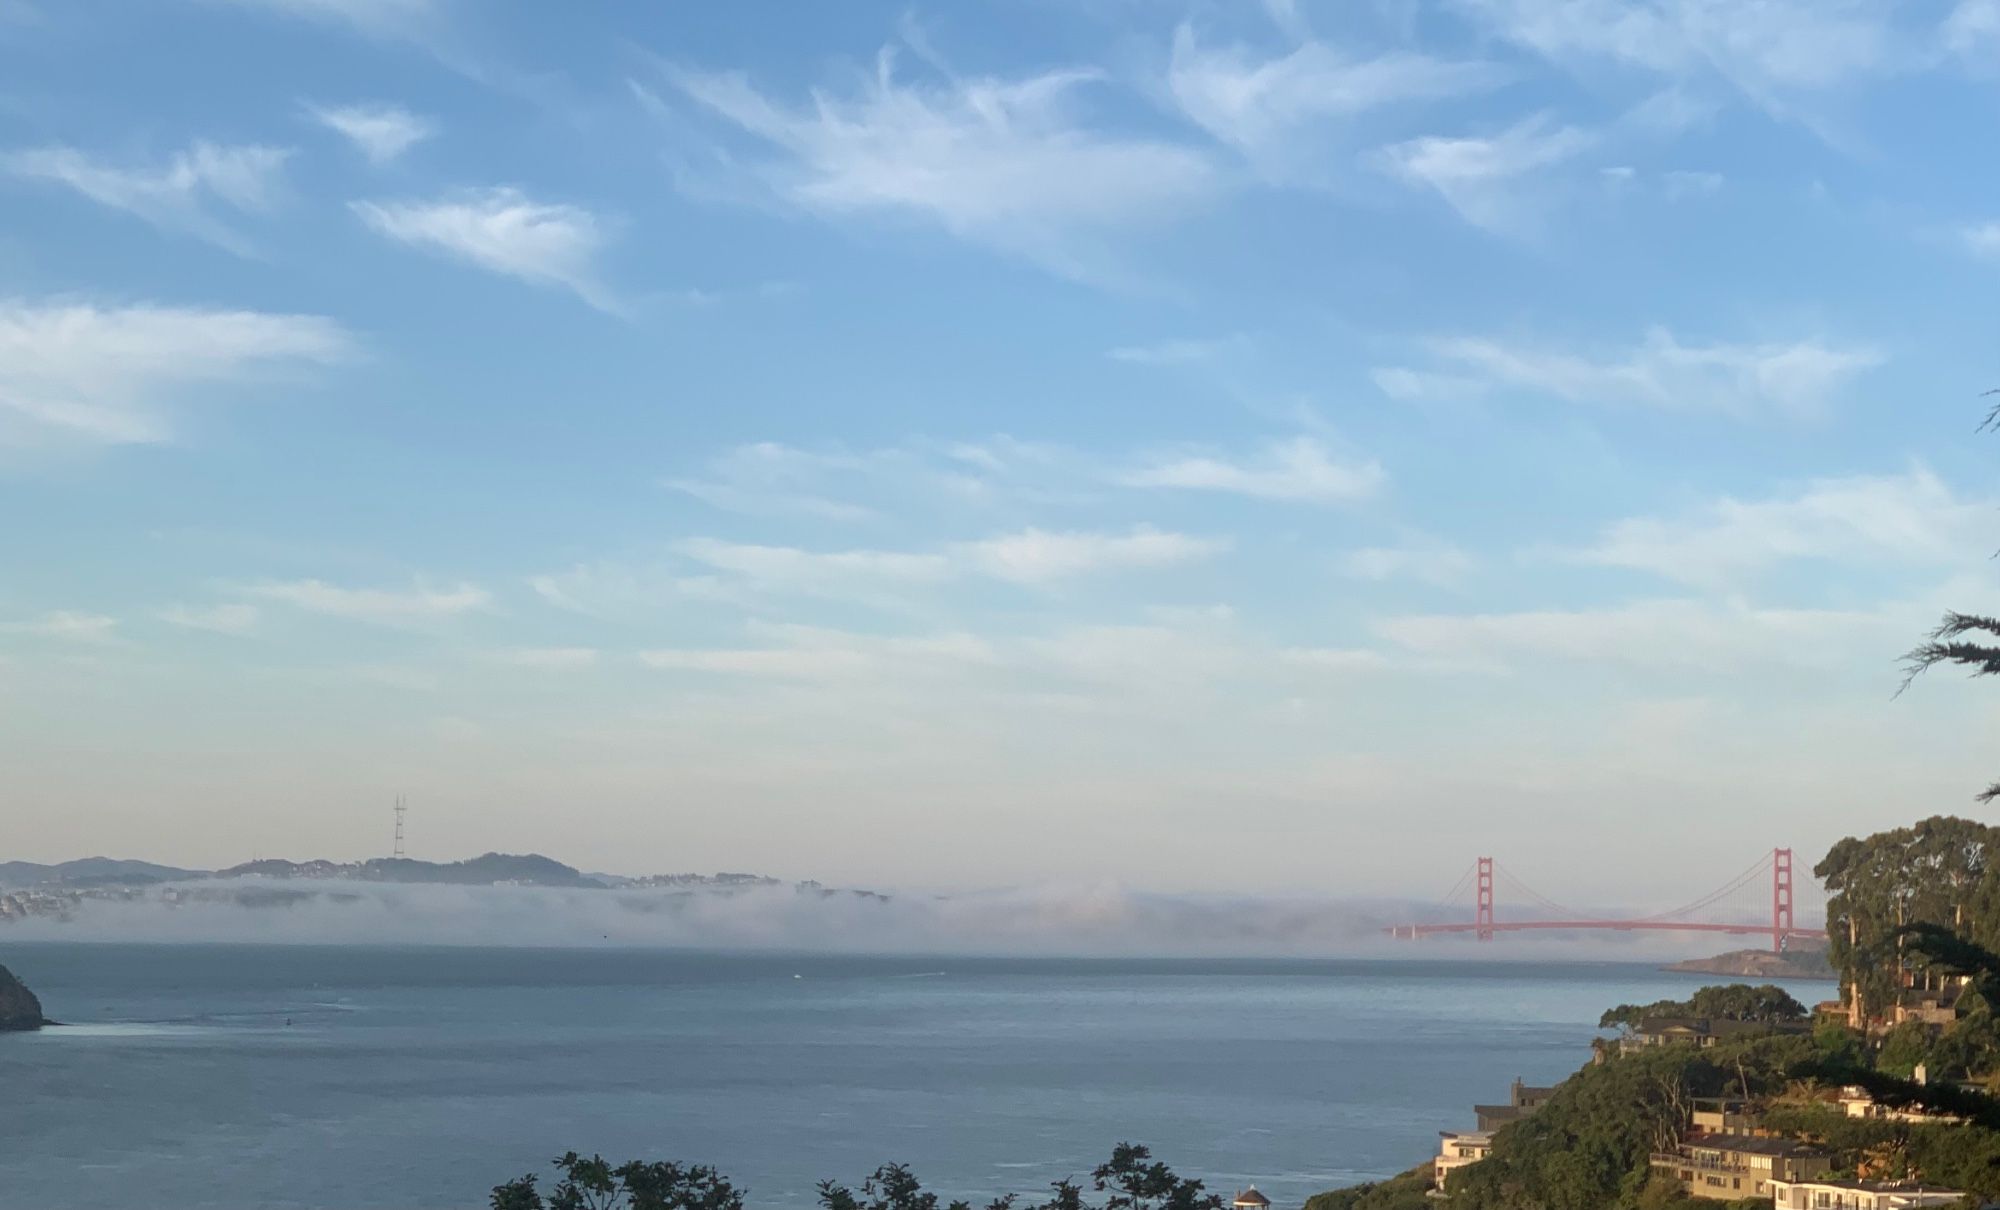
column 1745, row 1145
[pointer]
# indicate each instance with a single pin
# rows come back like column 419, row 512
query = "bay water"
column 334, row 1077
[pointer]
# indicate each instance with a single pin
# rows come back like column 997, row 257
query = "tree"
column 1137, row 1184
column 1949, row 644
column 1134, row 1180
column 1768, row 1003
column 593, row 1184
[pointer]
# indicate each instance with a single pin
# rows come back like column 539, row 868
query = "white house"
column 1826, row 1194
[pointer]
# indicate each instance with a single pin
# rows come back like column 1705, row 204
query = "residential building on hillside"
column 1700, row 1031
column 1857, row 1103
column 1733, row 1167
column 1456, row 1150
column 1824, row 1194
column 1522, row 1100
column 1726, row 1116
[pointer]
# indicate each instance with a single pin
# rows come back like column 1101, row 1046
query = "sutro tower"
column 400, row 808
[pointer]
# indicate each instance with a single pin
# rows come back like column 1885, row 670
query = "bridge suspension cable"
column 1742, row 897
column 1734, row 885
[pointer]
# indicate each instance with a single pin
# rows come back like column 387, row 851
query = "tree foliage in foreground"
column 593, row 1184
column 1131, row 1180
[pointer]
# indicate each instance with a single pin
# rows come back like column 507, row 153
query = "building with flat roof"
column 1733, row 1167
column 1456, row 1149
column 1825, row 1194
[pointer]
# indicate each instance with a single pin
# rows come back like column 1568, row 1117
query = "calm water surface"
column 237, row 1076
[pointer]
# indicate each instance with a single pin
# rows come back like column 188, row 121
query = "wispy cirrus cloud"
column 1425, row 560
column 191, row 193
column 75, row 372
column 1983, row 239
column 380, row 605
column 69, row 626
column 232, row 617
column 1180, row 352
column 546, row 659
column 1773, row 52
column 1864, row 521
column 1678, row 636
column 1029, row 557
column 1790, row 379
column 1279, row 110
column 504, row 231
column 1035, row 556
column 378, row 18
column 1973, row 27
column 1488, row 179
column 1013, row 164
column 381, row 132
column 1300, row 470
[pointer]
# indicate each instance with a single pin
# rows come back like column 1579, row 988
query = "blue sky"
column 974, row 444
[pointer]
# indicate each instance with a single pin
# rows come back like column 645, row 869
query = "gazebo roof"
column 1250, row 1197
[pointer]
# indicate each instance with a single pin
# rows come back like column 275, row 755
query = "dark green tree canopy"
column 593, row 1184
column 1132, row 1178
column 1767, row 1003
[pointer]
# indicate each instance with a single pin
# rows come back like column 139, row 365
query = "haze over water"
column 224, row 1076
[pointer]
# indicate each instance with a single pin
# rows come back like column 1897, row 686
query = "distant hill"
column 91, row 871
column 491, row 869
column 1805, row 960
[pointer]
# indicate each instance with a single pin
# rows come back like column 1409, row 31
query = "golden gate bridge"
column 1723, row 910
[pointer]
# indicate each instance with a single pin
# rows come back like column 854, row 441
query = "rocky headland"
column 19, row 1010
column 1800, row 963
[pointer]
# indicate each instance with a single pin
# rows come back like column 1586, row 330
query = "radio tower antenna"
column 400, row 808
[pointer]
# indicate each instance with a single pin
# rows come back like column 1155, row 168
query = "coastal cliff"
column 18, row 1007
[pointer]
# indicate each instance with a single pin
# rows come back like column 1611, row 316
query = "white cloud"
column 1770, row 50
column 381, row 132
column 1029, row 556
column 1973, row 27
column 812, row 653
column 506, row 232
column 619, row 590
column 1299, row 470
column 1010, row 164
column 1656, row 636
column 228, row 618
column 780, row 662
column 1275, row 109
column 789, row 564
column 1337, row 659
column 1483, row 177
column 1425, row 560
column 1423, row 386
column 549, row 659
column 374, row 604
column 1864, row 520
column 83, row 373
column 1686, row 183
column 1177, row 352
column 1034, row 556
column 1983, row 238
column 376, row 17
column 1661, row 372
column 183, row 195
column 772, row 478
column 70, row 627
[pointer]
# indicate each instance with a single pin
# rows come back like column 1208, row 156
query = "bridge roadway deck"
column 1623, row 926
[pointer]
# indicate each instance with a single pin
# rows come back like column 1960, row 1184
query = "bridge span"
column 1780, row 926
